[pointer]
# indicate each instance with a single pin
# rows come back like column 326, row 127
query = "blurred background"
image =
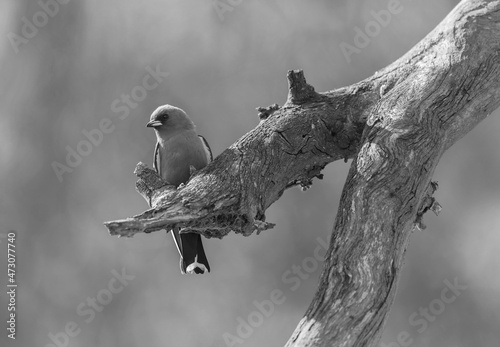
column 69, row 67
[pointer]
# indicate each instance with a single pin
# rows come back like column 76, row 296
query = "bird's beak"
column 153, row 123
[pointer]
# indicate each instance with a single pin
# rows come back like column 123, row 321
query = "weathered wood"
column 395, row 124
column 289, row 147
column 435, row 94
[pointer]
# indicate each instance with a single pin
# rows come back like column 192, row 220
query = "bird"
column 178, row 149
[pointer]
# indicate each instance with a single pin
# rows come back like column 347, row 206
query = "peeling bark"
column 395, row 124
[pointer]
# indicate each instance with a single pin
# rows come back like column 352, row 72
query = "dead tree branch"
column 395, row 124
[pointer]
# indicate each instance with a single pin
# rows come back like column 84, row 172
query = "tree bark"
column 395, row 124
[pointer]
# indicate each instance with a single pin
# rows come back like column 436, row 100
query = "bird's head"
column 168, row 118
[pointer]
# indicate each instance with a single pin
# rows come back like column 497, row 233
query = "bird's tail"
column 190, row 247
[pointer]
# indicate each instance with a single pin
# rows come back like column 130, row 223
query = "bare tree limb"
column 395, row 124
column 290, row 146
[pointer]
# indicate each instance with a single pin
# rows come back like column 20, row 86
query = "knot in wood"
column 370, row 159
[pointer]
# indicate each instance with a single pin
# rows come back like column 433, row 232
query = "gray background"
column 65, row 79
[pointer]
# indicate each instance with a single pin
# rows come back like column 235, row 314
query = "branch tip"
column 265, row 112
column 299, row 91
column 149, row 181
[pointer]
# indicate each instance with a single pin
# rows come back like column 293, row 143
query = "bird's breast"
column 178, row 154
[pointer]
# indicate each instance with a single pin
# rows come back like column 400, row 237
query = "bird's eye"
column 164, row 116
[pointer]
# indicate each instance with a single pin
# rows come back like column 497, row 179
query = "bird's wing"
column 178, row 245
column 207, row 149
column 175, row 230
column 156, row 158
